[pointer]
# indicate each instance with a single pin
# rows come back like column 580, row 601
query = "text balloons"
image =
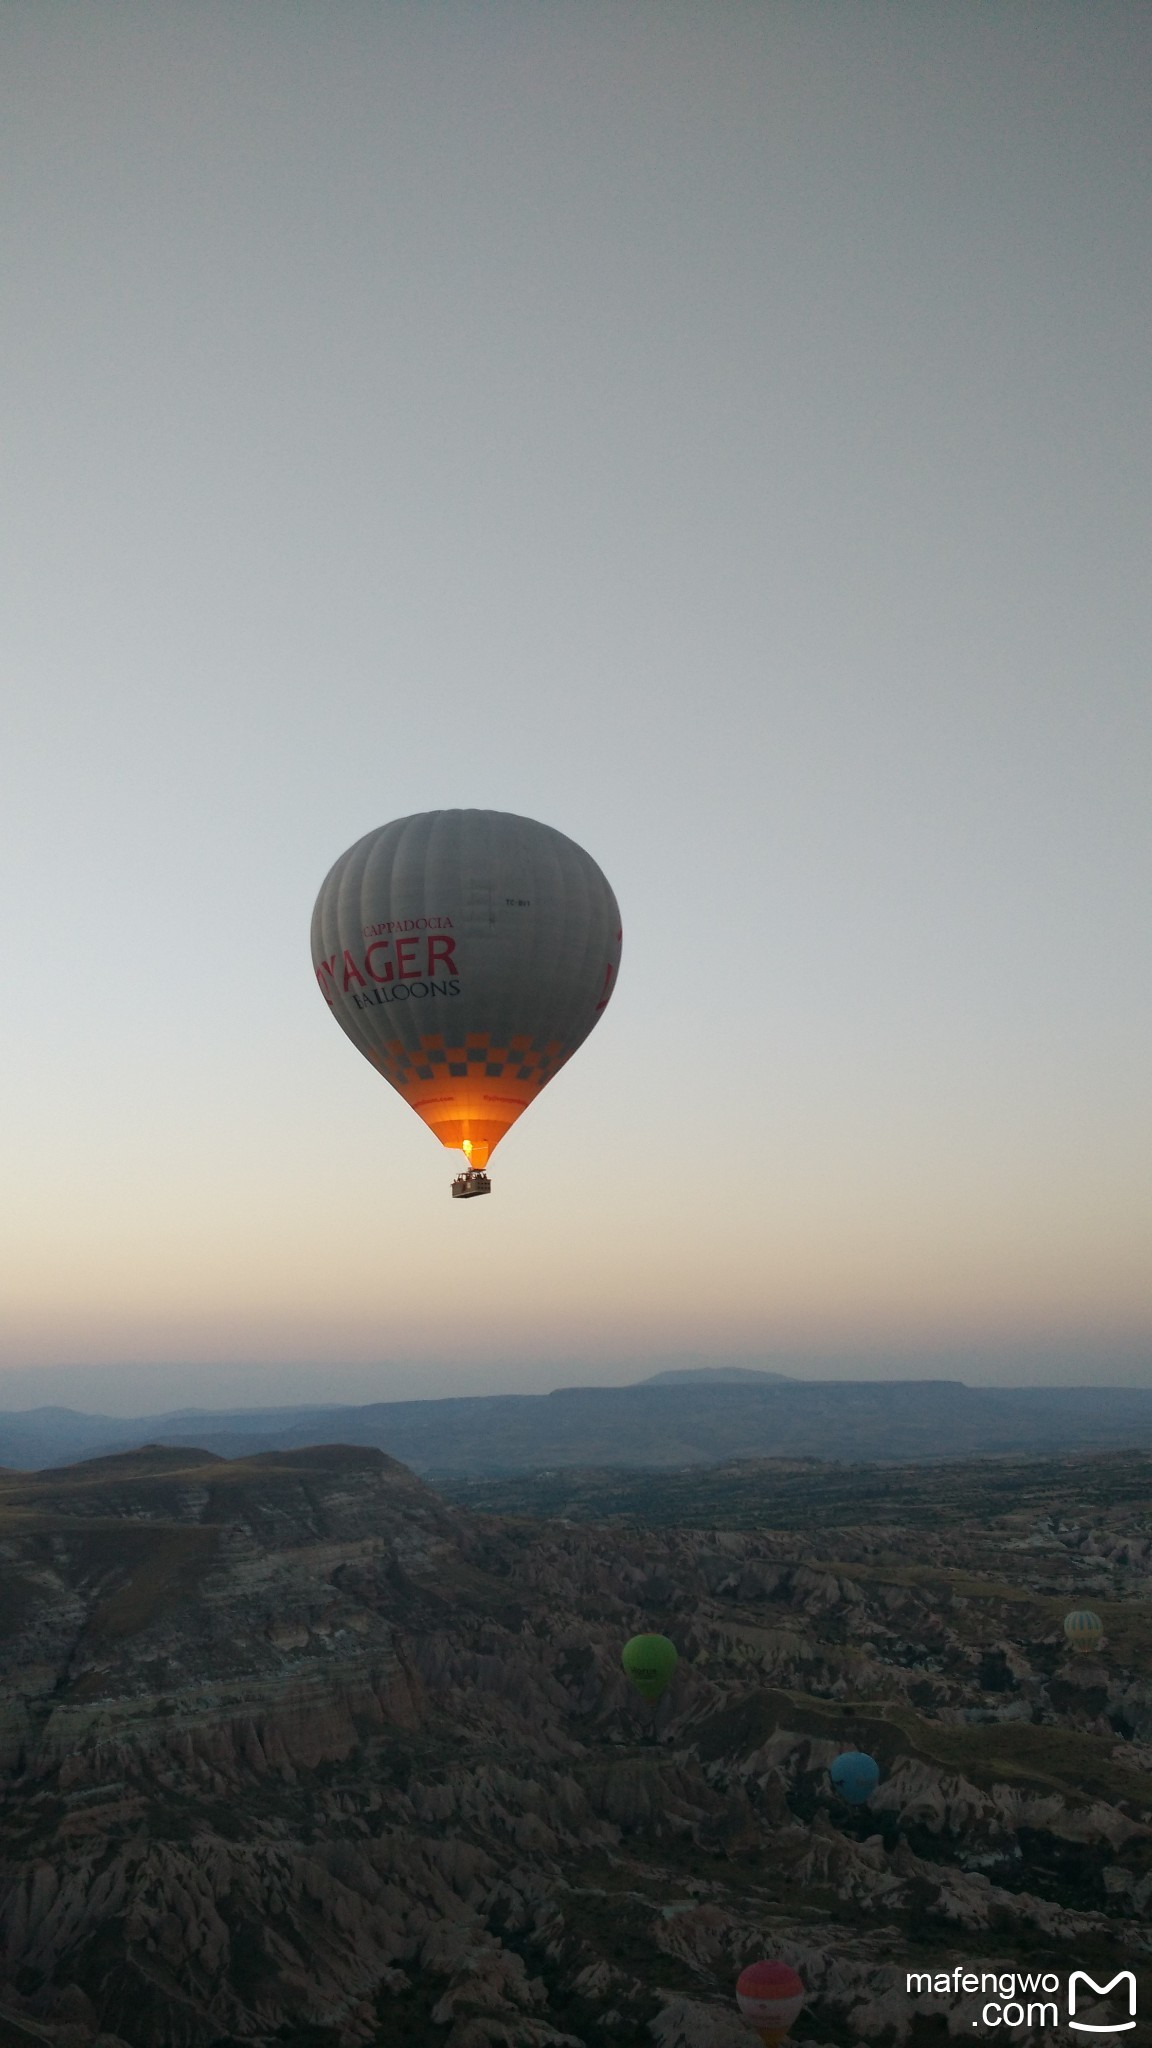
column 770, row 1996
column 855, row 1776
column 649, row 1662
column 466, row 954
column 1084, row 1630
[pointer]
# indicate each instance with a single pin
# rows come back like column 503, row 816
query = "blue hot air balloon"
column 855, row 1776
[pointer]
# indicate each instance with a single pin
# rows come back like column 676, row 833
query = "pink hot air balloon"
column 770, row 1996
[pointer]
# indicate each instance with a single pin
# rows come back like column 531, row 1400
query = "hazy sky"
column 720, row 430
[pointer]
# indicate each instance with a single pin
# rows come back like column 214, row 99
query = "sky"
column 720, row 431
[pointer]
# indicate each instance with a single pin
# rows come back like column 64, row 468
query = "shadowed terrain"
column 295, row 1750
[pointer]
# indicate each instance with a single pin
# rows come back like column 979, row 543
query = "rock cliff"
column 293, row 1752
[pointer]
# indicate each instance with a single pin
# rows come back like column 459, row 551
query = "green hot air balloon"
column 649, row 1662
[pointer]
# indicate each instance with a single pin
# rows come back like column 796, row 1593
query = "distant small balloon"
column 1084, row 1630
column 649, row 1662
column 770, row 1996
column 855, row 1776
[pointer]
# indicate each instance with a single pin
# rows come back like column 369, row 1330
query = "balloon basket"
column 470, row 1183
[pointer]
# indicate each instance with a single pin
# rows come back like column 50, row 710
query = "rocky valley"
column 297, row 1750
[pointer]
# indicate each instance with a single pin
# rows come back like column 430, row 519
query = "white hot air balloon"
column 466, row 954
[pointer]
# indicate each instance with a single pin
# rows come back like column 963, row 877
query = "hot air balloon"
column 466, row 954
column 1084, row 1630
column 649, row 1662
column 855, row 1776
column 770, row 1996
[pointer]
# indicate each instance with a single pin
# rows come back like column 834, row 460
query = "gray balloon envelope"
column 466, row 954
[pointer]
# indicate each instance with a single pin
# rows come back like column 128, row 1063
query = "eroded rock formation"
column 294, row 1753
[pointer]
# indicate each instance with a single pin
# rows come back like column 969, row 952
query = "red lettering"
column 327, row 967
column 405, row 968
column 351, row 971
column 603, row 1003
column 441, row 949
column 378, row 946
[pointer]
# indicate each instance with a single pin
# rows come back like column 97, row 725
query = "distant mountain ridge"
column 712, row 1375
column 698, row 1418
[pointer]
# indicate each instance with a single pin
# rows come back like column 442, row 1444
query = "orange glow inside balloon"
column 469, row 1103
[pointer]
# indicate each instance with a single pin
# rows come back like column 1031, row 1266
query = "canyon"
column 294, row 1749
